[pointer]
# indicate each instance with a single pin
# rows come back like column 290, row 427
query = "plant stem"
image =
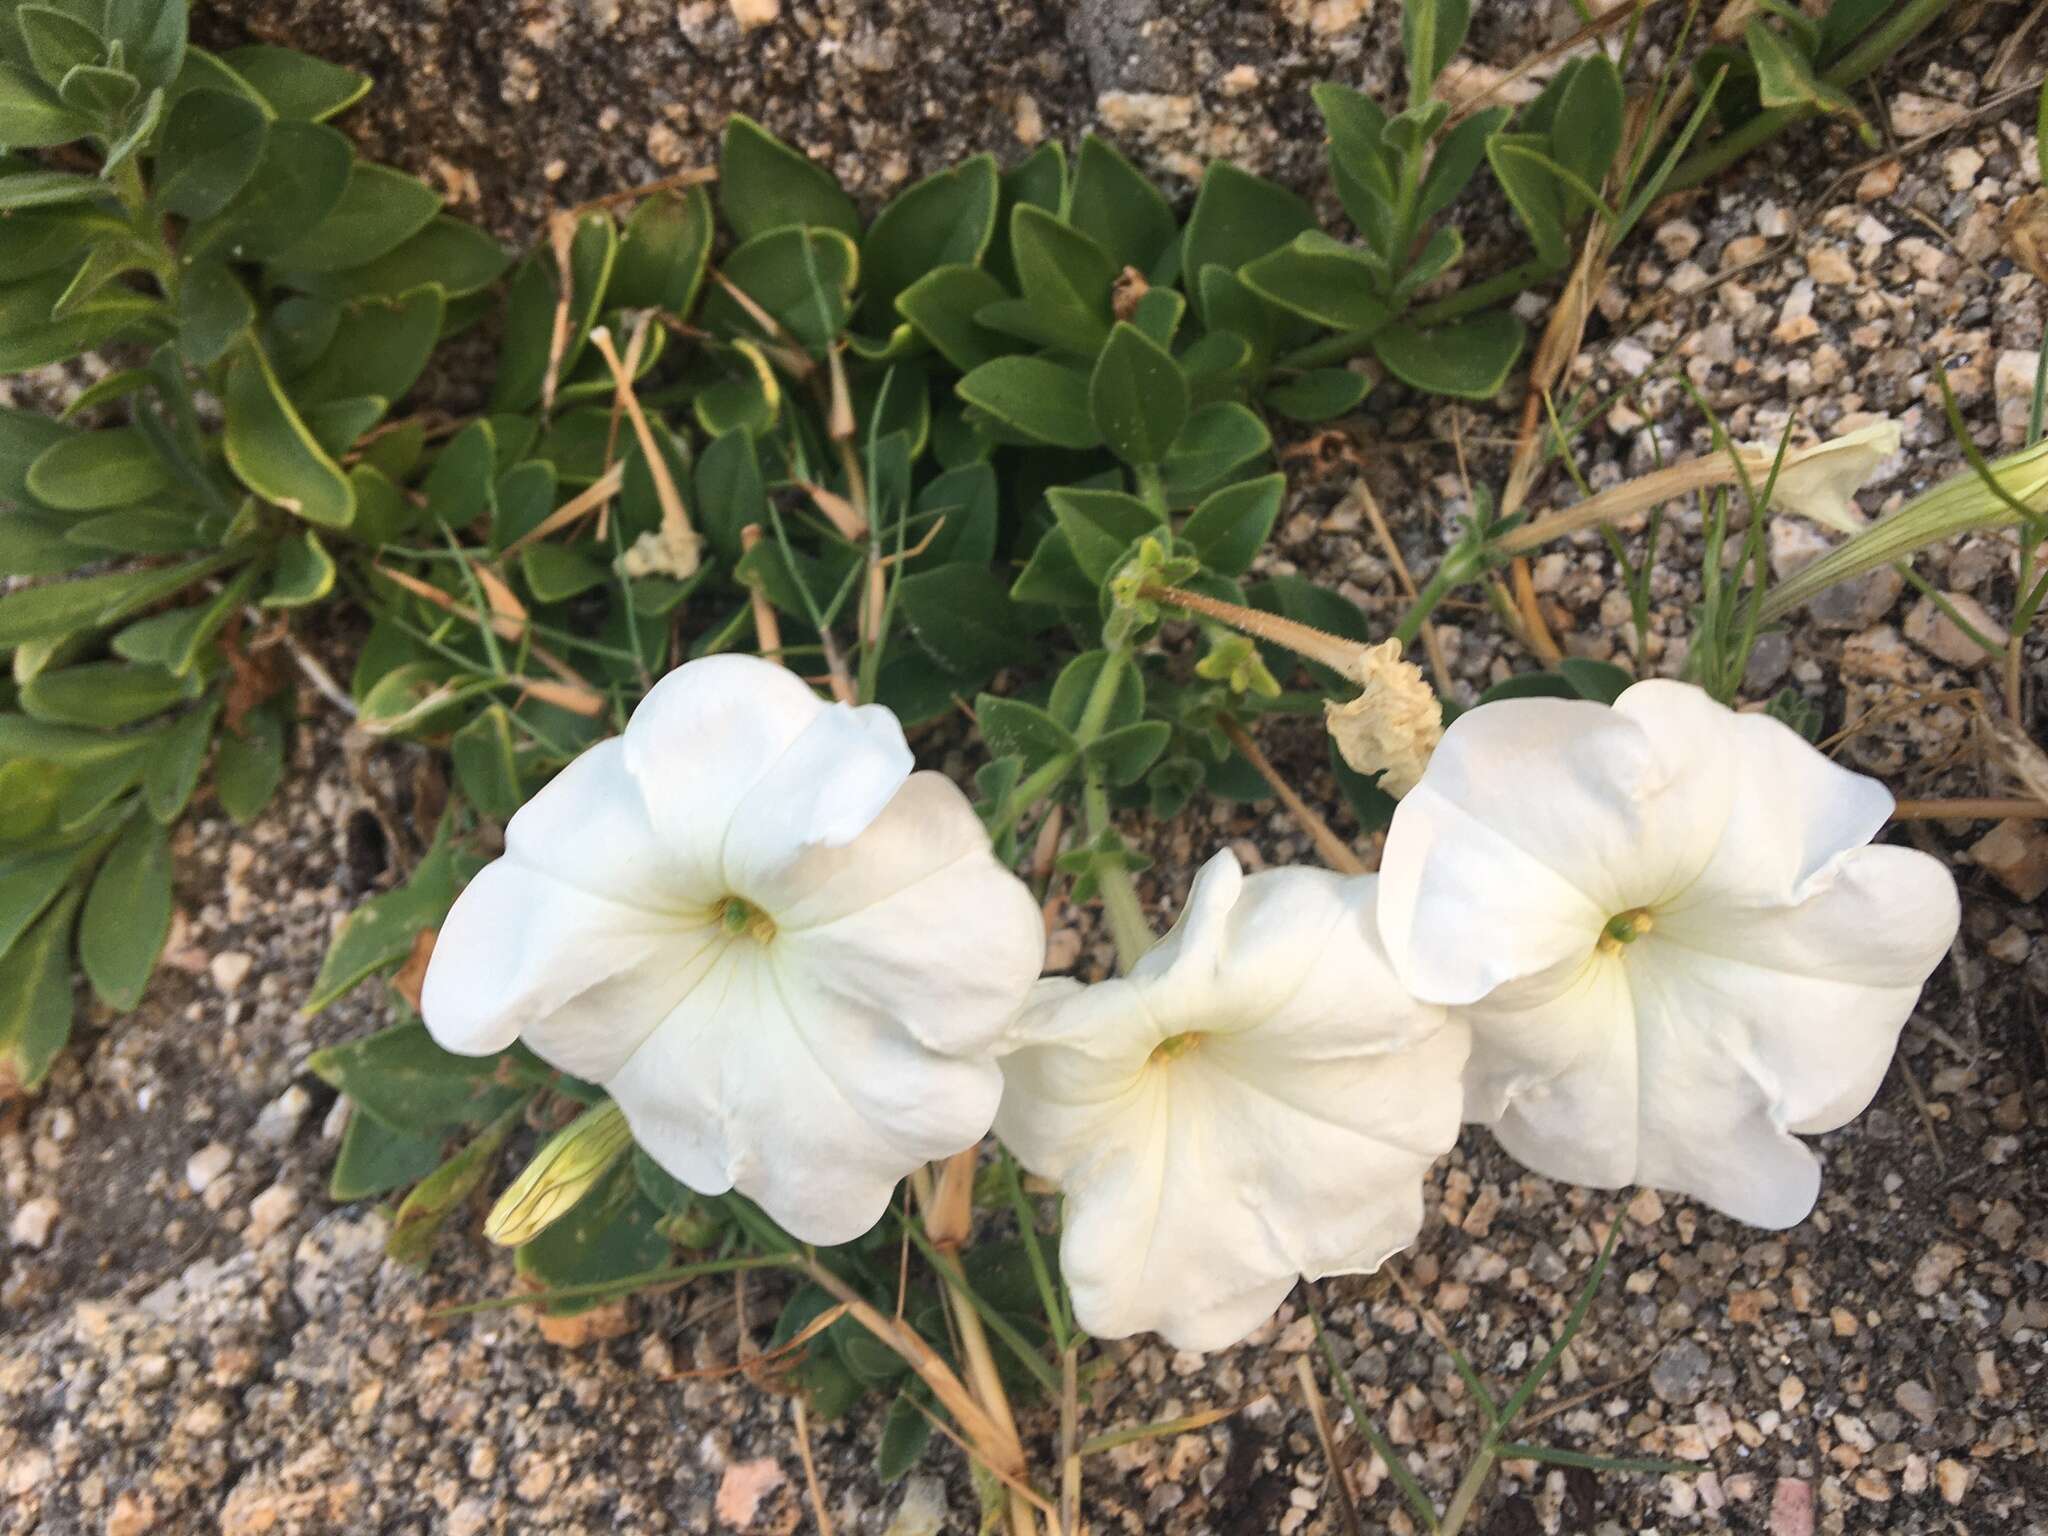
column 1102, row 696
column 1885, row 40
column 1335, row 851
column 1866, row 57
column 1348, row 344
column 1127, row 924
column 1460, row 1508
column 1449, row 574
column 1029, row 791
column 1152, row 489
column 1502, row 285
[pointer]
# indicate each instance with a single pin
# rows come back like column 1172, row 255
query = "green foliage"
column 958, row 451
column 235, row 241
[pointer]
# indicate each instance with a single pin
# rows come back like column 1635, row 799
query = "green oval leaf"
column 1229, row 528
column 944, row 220
column 1041, row 401
column 299, row 176
column 1116, row 207
column 127, row 915
column 90, row 471
column 35, row 999
column 765, row 185
column 295, row 84
column 1468, row 359
column 380, row 209
column 663, row 253
column 1137, row 396
column 271, row 451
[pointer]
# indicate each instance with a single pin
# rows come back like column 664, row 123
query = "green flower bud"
column 565, row 1170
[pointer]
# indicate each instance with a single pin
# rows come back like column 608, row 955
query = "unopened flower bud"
column 574, row 1159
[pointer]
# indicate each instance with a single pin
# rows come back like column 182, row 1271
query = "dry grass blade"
column 676, row 533
column 783, row 347
column 803, row 1451
column 1159, row 1429
column 767, row 627
column 696, row 176
column 1970, row 810
column 508, row 614
column 948, row 1221
column 574, row 697
column 591, row 701
column 951, row 1392
column 874, row 602
column 1534, row 629
column 562, row 241
column 1334, row 850
column 1631, row 496
column 844, row 517
column 575, row 509
column 1070, row 1449
column 752, row 1361
column 1009, row 1480
column 839, row 422
column 1338, row 1480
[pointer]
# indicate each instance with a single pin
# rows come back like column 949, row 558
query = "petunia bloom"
column 784, row 954
column 1674, row 948
column 1257, row 1101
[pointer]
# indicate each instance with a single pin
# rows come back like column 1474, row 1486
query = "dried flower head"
column 1394, row 723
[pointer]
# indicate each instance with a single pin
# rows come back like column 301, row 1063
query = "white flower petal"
column 1773, row 958
column 588, row 827
column 1286, row 1134
column 866, row 917
column 1706, row 1127
column 810, row 1107
column 1813, row 997
column 1077, row 1055
column 1788, row 811
column 1537, row 821
column 1226, row 1186
column 703, row 737
column 784, row 1050
column 824, row 791
column 581, row 978
column 1821, row 482
column 1554, row 1072
column 1196, row 940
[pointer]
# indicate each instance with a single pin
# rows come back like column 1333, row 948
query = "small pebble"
column 33, row 1223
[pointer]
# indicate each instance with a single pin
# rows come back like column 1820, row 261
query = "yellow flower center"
column 741, row 917
column 1175, row 1046
column 1625, row 928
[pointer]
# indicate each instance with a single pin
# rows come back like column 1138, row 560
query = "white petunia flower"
column 784, row 954
column 1257, row 1101
column 1663, row 923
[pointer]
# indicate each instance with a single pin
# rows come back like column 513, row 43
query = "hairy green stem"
column 1029, row 791
column 1127, row 925
column 1042, row 780
column 1451, row 573
column 1101, row 697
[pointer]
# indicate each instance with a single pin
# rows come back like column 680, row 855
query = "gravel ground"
column 195, row 1339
